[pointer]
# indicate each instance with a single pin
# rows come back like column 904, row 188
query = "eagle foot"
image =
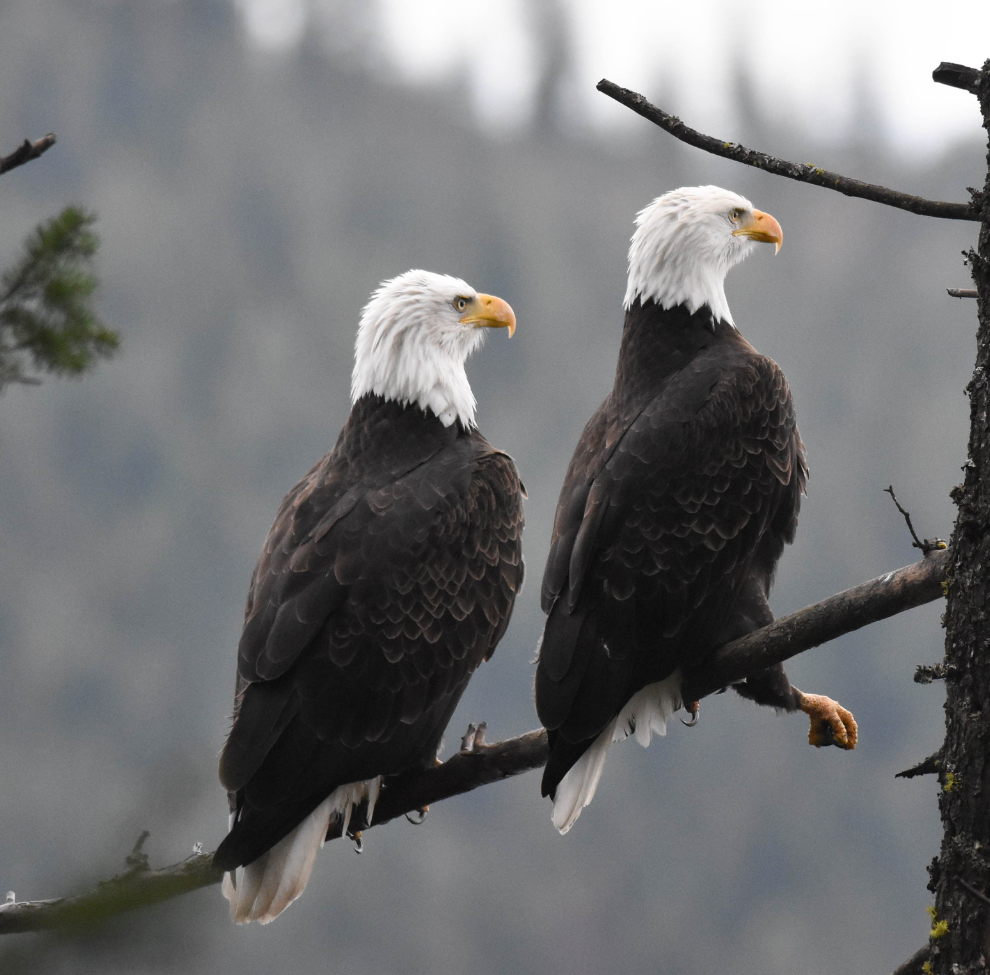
column 418, row 816
column 694, row 709
column 474, row 737
column 831, row 724
column 358, row 842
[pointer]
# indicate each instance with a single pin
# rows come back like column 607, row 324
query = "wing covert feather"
column 377, row 621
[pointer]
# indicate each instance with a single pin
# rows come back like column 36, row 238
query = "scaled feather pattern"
column 388, row 577
column 682, row 492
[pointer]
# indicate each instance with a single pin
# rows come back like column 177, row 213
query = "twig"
column 926, row 546
column 915, row 964
column 26, row 151
column 806, row 173
column 962, row 292
column 929, row 766
column 479, row 764
column 972, row 890
column 926, row 673
column 958, row 76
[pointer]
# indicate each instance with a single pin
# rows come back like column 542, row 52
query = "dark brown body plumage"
column 681, row 494
column 388, row 576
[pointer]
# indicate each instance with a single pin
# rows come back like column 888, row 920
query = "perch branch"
column 962, row 292
column 26, row 151
column 885, row 596
column 478, row 764
column 915, row 964
column 806, row 173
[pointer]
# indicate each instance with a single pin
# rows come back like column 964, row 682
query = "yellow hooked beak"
column 487, row 311
column 761, row 226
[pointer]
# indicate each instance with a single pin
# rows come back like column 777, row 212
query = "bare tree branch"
column 478, row 764
column 915, row 964
column 806, row 173
column 926, row 546
column 958, row 76
column 26, row 151
column 885, row 596
column 927, row 766
column 962, row 292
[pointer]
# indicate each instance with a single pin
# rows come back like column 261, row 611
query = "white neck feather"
column 411, row 349
column 683, row 248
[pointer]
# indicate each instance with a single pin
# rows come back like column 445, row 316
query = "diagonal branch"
column 806, row 173
column 878, row 599
column 915, row 965
column 26, row 151
column 478, row 764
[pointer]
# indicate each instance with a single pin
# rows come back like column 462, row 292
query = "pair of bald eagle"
column 391, row 570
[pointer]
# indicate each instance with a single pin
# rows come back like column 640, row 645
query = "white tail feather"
column 577, row 788
column 646, row 712
column 644, row 715
column 271, row 883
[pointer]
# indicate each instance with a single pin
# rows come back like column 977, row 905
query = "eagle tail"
column 577, row 788
column 643, row 715
column 271, row 883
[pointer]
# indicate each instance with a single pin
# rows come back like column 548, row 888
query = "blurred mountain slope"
column 248, row 206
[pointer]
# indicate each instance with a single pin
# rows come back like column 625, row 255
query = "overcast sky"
column 807, row 61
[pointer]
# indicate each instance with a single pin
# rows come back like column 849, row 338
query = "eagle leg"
column 694, row 709
column 418, row 816
column 831, row 724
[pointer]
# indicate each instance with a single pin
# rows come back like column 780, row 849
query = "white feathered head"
column 415, row 334
column 686, row 241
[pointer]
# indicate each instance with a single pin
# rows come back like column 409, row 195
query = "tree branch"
column 958, row 76
column 885, row 596
column 926, row 546
column 915, row 964
column 962, row 292
column 26, row 151
column 927, row 766
column 806, row 173
column 478, row 764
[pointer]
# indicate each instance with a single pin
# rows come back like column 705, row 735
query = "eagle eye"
column 736, row 215
column 460, row 304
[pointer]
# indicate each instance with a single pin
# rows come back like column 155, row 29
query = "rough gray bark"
column 960, row 876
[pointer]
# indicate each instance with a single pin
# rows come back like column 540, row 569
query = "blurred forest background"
column 251, row 193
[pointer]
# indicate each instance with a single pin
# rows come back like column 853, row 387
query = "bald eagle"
column 680, row 496
column 388, row 576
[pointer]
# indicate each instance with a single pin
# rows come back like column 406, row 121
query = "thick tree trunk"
column 960, row 877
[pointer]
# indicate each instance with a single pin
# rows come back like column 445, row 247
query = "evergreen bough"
column 47, row 323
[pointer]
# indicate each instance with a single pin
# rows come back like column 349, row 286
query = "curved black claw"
column 694, row 710
column 421, row 813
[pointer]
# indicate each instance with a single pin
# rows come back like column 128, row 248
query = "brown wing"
column 368, row 620
column 706, row 477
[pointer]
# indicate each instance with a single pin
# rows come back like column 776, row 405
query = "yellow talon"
column 831, row 724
